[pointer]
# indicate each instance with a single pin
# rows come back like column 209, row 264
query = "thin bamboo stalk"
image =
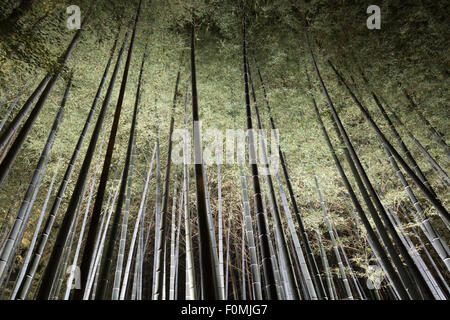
column 333, row 241
column 141, row 212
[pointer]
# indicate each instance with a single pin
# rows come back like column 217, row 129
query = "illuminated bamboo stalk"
column 21, row 219
column 333, row 241
column 264, row 241
column 9, row 110
column 177, row 245
column 92, row 279
column 326, row 267
column 210, row 285
column 163, row 221
column 436, row 241
column 80, row 181
column 191, row 292
column 93, row 227
column 275, row 263
column 83, row 226
column 434, row 133
column 432, row 161
column 36, row 233
column 119, row 262
column 172, row 246
column 141, row 212
column 355, row 163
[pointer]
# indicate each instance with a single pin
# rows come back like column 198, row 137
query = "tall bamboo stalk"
column 124, row 228
column 432, row 161
column 248, row 227
column 333, row 241
column 397, row 137
column 36, row 232
column 9, row 110
column 125, row 188
column 172, row 246
column 220, row 228
column 163, row 222
column 141, row 212
column 207, row 261
column 273, row 200
column 83, row 226
column 106, row 262
column 8, row 133
column 191, row 292
column 157, row 208
column 227, row 262
column 243, row 269
column 75, row 198
column 21, row 219
column 381, row 229
column 82, row 176
column 177, row 245
column 423, row 269
column 326, row 267
column 434, row 133
column 379, row 251
column 320, row 290
column 276, row 266
column 444, row 214
column 437, row 242
column 434, row 200
column 93, row 275
column 263, row 237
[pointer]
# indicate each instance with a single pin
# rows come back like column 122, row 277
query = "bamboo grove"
column 111, row 187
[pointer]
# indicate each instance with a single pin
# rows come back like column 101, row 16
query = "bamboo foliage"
column 130, row 231
column 8, row 161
